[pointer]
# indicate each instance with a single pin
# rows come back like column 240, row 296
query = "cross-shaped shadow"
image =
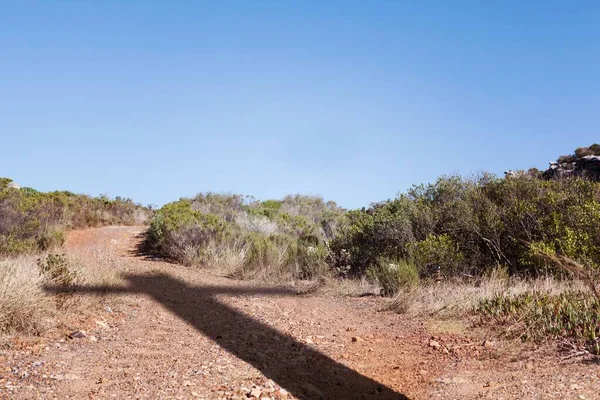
column 288, row 362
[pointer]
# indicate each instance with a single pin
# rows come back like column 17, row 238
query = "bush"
column 393, row 275
column 438, row 250
column 470, row 226
column 539, row 316
column 273, row 239
column 56, row 268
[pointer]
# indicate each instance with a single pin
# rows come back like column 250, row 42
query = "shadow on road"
column 291, row 364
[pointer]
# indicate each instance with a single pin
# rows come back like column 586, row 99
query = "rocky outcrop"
column 586, row 167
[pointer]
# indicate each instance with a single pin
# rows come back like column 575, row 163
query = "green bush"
column 469, row 226
column 273, row 239
column 438, row 250
column 308, row 261
column 58, row 269
column 538, row 316
column 393, row 275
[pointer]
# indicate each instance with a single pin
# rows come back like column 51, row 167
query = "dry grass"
column 351, row 287
column 227, row 259
column 22, row 300
column 455, row 299
column 26, row 307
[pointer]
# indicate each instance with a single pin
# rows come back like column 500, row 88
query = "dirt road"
column 169, row 332
column 183, row 333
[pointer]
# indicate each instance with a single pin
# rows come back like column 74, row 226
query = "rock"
column 187, row 383
column 435, row 344
column 311, row 390
column 584, row 163
column 102, row 324
column 357, row 339
column 491, row 385
column 255, row 393
column 108, row 310
column 77, row 335
column 487, row 344
column 529, row 366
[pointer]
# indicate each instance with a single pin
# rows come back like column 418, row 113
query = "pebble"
column 77, row 335
column 435, row 344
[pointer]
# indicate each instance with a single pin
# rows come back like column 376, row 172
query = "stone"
column 435, row 344
column 77, row 335
column 357, row 339
column 102, row 324
column 529, row 366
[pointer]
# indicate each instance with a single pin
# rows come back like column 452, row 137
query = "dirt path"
column 169, row 332
column 183, row 333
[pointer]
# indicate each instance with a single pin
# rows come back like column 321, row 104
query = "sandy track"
column 181, row 333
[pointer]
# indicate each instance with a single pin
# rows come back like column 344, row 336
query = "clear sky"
column 352, row 100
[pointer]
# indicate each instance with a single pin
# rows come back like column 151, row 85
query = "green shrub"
column 393, row 275
column 307, row 261
column 57, row 269
column 438, row 250
column 539, row 316
column 264, row 254
column 472, row 225
column 273, row 239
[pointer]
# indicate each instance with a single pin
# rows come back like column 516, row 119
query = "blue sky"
column 352, row 100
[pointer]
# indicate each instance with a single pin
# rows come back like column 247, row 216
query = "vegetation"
column 572, row 316
column 273, row 239
column 510, row 250
column 469, row 227
column 32, row 221
column 455, row 228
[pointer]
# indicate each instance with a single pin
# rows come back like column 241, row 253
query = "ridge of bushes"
column 32, row 221
column 456, row 227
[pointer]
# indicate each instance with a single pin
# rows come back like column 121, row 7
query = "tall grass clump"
column 22, row 300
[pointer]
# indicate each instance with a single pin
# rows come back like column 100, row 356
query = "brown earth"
column 168, row 331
